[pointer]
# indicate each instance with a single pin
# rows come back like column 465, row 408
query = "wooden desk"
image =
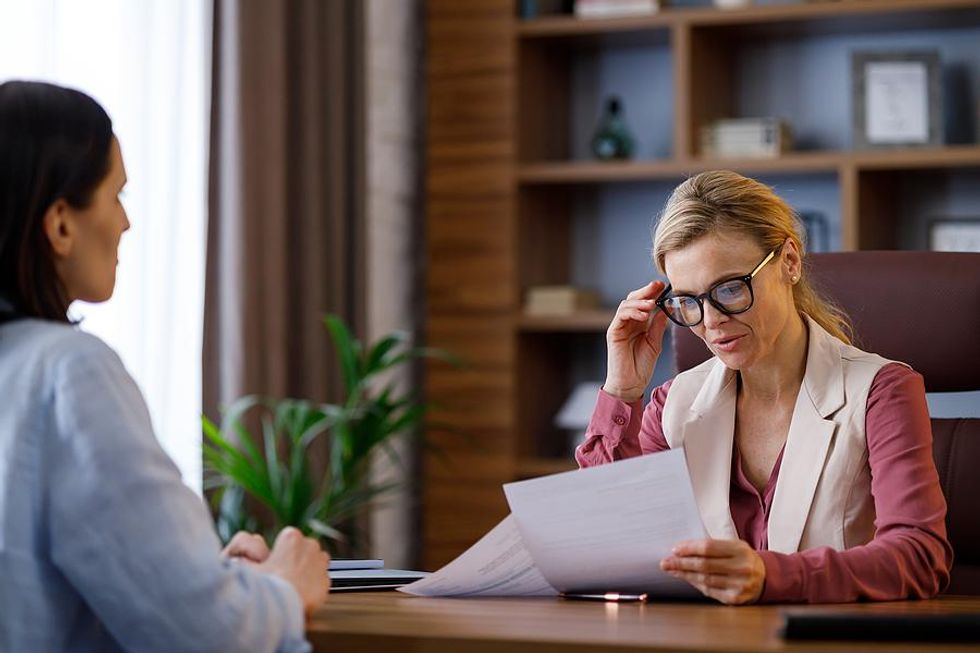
column 391, row 621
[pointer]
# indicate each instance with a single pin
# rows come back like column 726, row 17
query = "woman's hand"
column 634, row 340
column 730, row 571
column 302, row 563
column 247, row 546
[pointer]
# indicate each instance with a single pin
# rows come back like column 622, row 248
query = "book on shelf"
column 746, row 137
column 615, row 8
column 559, row 300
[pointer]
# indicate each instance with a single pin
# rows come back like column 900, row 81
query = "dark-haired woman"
column 102, row 548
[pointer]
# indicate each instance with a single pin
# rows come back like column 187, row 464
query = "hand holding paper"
column 599, row 529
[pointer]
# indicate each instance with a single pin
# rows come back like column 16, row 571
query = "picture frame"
column 896, row 98
column 954, row 235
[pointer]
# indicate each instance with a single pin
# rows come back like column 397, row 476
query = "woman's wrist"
column 628, row 395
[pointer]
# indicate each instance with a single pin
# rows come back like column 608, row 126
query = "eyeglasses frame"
column 745, row 278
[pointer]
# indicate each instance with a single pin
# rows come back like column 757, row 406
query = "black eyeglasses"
column 731, row 297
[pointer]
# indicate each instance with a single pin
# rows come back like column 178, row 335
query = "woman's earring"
column 794, row 278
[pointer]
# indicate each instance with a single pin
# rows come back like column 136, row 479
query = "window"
column 148, row 64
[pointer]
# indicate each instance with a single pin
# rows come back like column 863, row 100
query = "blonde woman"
column 811, row 460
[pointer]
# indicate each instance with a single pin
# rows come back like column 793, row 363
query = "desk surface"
column 382, row 621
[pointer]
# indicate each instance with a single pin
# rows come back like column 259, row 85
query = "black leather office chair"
column 922, row 308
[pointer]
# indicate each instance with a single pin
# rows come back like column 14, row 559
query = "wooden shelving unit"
column 502, row 189
column 815, row 18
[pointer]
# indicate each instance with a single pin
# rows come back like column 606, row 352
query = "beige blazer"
column 823, row 491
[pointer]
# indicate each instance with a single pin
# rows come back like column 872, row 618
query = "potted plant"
column 273, row 468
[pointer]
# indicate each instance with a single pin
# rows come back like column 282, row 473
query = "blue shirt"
column 102, row 548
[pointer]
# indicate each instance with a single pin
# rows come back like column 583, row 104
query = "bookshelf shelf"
column 952, row 156
column 591, row 172
column 846, row 17
column 584, row 322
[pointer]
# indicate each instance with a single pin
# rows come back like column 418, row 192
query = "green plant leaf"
column 232, row 463
column 348, row 352
column 375, row 360
column 273, row 470
column 426, row 352
column 393, row 455
column 325, row 530
column 231, row 422
column 277, row 472
column 345, row 505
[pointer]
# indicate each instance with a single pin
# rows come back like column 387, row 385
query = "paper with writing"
column 601, row 529
column 498, row 565
column 606, row 528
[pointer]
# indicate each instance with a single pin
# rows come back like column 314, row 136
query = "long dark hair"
column 54, row 144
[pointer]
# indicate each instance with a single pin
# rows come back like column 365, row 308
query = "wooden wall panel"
column 470, row 275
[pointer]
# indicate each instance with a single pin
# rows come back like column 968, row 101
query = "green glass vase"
column 612, row 139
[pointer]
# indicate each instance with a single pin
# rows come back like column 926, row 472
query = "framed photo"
column 896, row 98
column 955, row 235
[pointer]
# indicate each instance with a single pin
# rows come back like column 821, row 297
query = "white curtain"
column 148, row 63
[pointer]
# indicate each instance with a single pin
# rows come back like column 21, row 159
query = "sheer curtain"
column 148, row 63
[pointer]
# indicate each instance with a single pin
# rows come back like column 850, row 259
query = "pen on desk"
column 607, row 596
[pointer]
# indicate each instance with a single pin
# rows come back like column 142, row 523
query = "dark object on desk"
column 892, row 626
column 352, row 580
column 873, row 288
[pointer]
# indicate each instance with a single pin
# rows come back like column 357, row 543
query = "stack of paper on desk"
column 347, row 575
column 601, row 529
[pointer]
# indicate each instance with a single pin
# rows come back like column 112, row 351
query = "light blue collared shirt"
column 102, row 548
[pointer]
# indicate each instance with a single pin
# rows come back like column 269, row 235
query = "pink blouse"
column 909, row 556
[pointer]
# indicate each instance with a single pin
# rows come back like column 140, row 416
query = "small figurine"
column 612, row 138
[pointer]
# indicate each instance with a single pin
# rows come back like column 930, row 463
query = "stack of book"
column 614, row 8
column 348, row 575
column 559, row 300
column 745, row 138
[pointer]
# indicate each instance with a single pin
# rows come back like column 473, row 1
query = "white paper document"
column 498, row 565
column 600, row 529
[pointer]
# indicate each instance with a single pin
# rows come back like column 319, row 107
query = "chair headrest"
column 918, row 307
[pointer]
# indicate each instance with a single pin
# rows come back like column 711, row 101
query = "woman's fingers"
column 728, row 570
column 703, row 565
column 638, row 314
column 657, row 325
column 720, row 588
column 710, row 548
column 248, row 546
column 638, row 306
column 638, row 310
column 706, row 581
column 649, row 291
